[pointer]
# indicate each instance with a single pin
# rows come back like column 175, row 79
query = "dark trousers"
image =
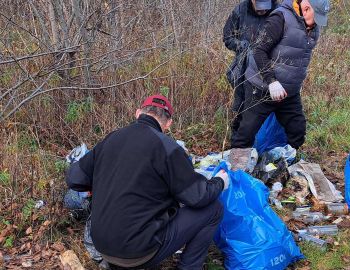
column 237, row 108
column 258, row 106
column 192, row 228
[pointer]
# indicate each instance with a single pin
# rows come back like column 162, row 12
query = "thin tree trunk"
column 84, row 38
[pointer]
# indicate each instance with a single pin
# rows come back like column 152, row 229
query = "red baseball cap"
column 158, row 101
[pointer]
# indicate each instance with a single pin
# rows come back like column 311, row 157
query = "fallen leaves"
column 36, row 256
column 70, row 259
column 29, row 230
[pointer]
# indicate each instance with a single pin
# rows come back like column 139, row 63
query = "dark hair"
column 158, row 112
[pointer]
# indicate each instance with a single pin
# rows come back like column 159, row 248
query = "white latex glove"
column 224, row 176
column 277, row 91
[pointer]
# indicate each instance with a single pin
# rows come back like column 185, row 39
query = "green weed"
column 76, row 110
column 26, row 141
column 4, row 178
column 220, row 123
column 61, row 166
column 328, row 127
column 28, row 209
column 164, row 90
column 9, row 241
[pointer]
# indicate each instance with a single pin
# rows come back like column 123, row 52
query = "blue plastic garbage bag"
column 251, row 235
column 270, row 135
column 347, row 181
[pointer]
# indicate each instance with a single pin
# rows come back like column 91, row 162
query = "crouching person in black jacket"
column 138, row 176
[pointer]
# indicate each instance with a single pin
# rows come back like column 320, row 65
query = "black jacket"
column 138, row 176
column 285, row 51
column 244, row 24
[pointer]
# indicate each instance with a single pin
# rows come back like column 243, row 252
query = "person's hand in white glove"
column 224, row 176
column 277, row 91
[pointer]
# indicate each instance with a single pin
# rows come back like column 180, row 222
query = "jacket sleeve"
column 187, row 186
column 80, row 174
column 269, row 37
column 230, row 32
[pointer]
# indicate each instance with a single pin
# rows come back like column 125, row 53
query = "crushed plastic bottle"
column 321, row 230
column 309, row 217
column 303, row 209
column 275, row 190
column 253, row 160
column 337, row 209
column 313, row 240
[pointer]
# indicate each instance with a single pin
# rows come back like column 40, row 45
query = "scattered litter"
column 313, row 240
column 275, row 190
column 243, row 159
column 104, row 265
column 183, row 145
column 309, row 217
column 270, row 171
column 207, row 164
column 337, row 209
column 320, row 186
column 77, row 153
column 299, row 185
column 288, row 153
column 323, row 230
column 304, row 209
column 289, row 203
column 70, row 259
column 337, row 221
column 27, row 264
column 39, row 204
column 89, row 245
column 214, row 159
column 270, row 167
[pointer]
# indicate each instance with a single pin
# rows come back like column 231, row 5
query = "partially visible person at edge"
column 277, row 68
column 240, row 32
column 138, row 176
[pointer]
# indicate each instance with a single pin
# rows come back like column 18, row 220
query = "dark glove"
column 242, row 46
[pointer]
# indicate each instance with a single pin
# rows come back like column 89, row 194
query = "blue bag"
column 251, row 235
column 347, row 181
column 270, row 135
